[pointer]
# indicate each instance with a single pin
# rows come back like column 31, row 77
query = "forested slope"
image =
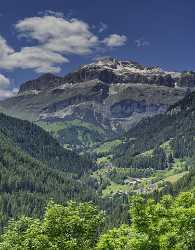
column 39, row 144
column 177, row 127
column 26, row 184
column 35, row 168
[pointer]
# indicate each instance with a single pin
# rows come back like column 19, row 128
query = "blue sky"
column 57, row 36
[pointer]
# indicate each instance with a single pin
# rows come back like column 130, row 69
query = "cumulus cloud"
column 58, row 34
column 115, row 40
column 141, row 43
column 54, row 38
column 4, row 48
column 36, row 58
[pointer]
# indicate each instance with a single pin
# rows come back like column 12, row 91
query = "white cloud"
column 58, row 34
column 4, row 82
column 54, row 39
column 36, row 58
column 6, row 94
column 115, row 40
column 4, row 48
column 141, row 43
column 5, row 88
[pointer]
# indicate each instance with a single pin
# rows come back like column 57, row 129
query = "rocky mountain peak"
column 111, row 71
column 114, row 64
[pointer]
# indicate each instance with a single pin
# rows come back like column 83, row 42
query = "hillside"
column 27, row 184
column 39, row 144
column 152, row 159
column 176, row 126
column 35, row 168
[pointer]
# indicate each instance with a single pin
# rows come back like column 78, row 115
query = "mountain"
column 99, row 101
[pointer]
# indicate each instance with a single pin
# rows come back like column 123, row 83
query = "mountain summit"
column 110, row 70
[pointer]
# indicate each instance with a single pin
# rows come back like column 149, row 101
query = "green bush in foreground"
column 169, row 224
column 72, row 227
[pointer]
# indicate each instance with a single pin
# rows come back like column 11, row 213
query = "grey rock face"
column 46, row 81
column 126, row 108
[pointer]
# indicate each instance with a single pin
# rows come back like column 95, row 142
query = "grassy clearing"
column 75, row 132
column 174, row 178
column 107, row 147
column 114, row 188
column 167, row 147
column 56, row 126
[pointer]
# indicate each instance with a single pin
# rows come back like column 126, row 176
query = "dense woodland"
column 26, row 184
column 39, row 144
column 35, row 168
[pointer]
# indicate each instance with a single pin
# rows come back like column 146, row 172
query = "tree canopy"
column 167, row 224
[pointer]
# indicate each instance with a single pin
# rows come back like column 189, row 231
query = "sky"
column 58, row 36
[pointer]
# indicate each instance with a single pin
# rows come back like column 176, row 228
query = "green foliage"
column 168, row 224
column 117, row 238
column 74, row 227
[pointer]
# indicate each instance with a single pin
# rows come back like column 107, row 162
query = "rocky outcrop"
column 46, row 81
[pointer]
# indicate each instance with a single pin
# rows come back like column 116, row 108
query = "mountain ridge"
column 104, row 69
